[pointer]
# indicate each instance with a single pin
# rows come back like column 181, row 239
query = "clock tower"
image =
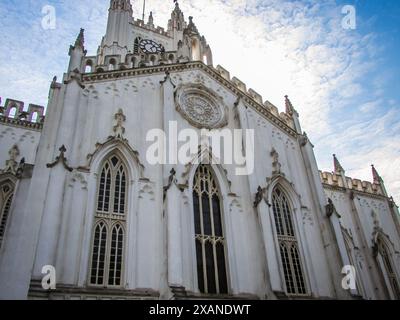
column 128, row 39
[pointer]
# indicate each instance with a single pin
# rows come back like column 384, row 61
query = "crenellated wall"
column 158, row 30
column 336, row 181
column 21, row 127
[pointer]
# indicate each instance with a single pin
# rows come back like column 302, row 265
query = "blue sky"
column 344, row 83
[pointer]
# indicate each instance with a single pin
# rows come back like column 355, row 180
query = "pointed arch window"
column 6, row 198
column 109, row 228
column 209, row 233
column 388, row 265
column 351, row 249
column 288, row 244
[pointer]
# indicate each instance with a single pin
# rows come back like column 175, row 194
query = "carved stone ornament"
column 119, row 129
column 259, row 196
column 330, row 209
column 303, row 139
column 61, row 158
column 12, row 164
column 276, row 165
column 171, row 179
column 201, row 106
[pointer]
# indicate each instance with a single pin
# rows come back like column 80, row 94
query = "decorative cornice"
column 61, row 158
column 35, row 126
column 127, row 73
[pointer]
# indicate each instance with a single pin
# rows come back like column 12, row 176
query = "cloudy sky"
column 345, row 83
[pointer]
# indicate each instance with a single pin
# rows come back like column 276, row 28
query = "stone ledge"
column 67, row 292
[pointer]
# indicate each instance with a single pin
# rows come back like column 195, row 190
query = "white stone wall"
column 360, row 215
column 26, row 139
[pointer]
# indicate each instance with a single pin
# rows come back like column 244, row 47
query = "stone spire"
column 150, row 22
column 77, row 52
column 177, row 21
column 289, row 107
column 291, row 112
column 338, row 169
column 376, row 176
column 116, row 41
column 378, row 180
column 80, row 40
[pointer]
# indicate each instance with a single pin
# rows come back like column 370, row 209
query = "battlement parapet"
column 156, row 29
column 336, row 181
column 13, row 112
column 115, row 64
column 255, row 96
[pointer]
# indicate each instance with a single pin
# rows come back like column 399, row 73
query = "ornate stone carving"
column 303, row 139
column 12, row 164
column 171, row 180
column 201, row 107
column 259, row 196
column 168, row 78
column 330, row 209
column 119, row 129
column 61, row 158
column 276, row 165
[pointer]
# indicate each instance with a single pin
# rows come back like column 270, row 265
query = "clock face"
column 149, row 46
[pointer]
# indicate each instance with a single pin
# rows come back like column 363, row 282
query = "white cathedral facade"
column 77, row 192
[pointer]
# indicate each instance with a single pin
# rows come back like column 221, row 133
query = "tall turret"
column 116, row 40
column 176, row 25
column 77, row 52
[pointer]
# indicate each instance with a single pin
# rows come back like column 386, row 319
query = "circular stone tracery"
column 201, row 107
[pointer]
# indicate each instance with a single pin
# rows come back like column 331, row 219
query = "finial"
column 289, row 107
column 375, row 175
column 151, row 20
column 337, row 166
column 192, row 27
column 80, row 40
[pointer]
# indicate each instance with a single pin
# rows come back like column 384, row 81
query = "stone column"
column 273, row 257
column 337, row 231
column 174, row 236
